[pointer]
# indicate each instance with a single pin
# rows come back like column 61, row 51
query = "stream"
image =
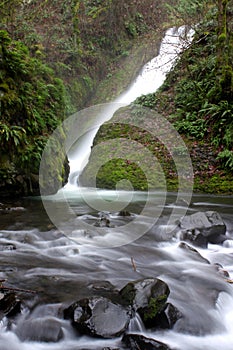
column 55, row 270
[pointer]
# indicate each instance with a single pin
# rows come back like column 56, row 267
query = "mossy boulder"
column 148, row 297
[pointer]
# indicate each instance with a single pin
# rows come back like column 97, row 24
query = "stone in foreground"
column 98, row 316
column 137, row 341
column 148, row 297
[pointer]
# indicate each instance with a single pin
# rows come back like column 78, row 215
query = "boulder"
column 165, row 319
column 124, row 213
column 137, row 293
column 194, row 237
column 7, row 246
column 103, row 220
column 192, row 253
column 98, row 316
column 138, row 341
column 148, row 297
column 9, row 304
column 208, row 224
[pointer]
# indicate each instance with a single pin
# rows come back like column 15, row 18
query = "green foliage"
column 216, row 113
column 222, row 38
column 198, row 95
column 11, row 137
column 187, row 11
column 33, row 98
column 33, row 103
column 131, row 28
column 226, row 157
column 191, row 125
column 149, row 100
column 29, row 158
column 136, row 25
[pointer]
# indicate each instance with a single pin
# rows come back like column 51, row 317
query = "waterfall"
column 150, row 78
column 136, row 324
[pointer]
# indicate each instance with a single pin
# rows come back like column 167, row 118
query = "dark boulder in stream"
column 104, row 317
column 203, row 227
column 98, row 316
column 138, row 341
column 148, row 297
column 9, row 305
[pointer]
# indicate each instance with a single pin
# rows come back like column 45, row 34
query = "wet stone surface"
column 136, row 341
column 203, row 227
column 98, row 316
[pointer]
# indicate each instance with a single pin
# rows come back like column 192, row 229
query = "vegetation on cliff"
column 197, row 99
column 32, row 105
column 53, row 55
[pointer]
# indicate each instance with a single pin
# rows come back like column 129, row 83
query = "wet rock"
column 194, row 237
column 103, row 220
column 124, row 213
column 8, row 210
column 221, row 270
column 7, row 246
column 193, row 253
column 148, row 297
column 104, row 289
column 40, row 329
column 98, row 316
column 102, row 286
column 137, row 293
column 105, row 348
column 159, row 316
column 9, row 304
column 166, row 318
column 209, row 224
column 136, row 342
column 17, row 209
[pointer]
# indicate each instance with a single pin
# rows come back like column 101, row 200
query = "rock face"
column 148, row 297
column 16, row 182
column 98, row 316
column 203, row 227
column 136, row 341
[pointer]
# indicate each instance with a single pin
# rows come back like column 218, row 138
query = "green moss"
column 222, row 38
column 155, row 306
column 216, row 184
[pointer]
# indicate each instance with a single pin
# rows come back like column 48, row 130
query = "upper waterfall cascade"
column 150, row 78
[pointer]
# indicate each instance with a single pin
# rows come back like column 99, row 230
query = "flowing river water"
column 36, row 256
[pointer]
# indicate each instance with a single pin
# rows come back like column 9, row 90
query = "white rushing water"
column 36, row 256
column 62, row 272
